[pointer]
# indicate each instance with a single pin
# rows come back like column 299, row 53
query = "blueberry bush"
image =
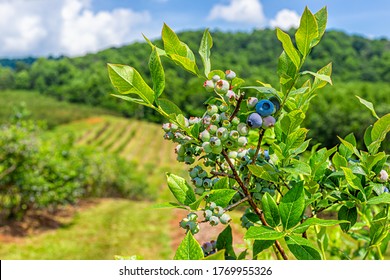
column 248, row 152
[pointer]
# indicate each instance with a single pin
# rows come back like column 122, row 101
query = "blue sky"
column 76, row 27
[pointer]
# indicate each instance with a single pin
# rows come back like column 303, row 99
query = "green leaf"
column 321, row 77
column 368, row 105
column 157, row 73
column 261, row 245
column 307, row 32
column 222, row 183
column 169, row 108
column 348, row 214
column 216, row 72
column 167, row 205
column 324, row 71
column 302, row 248
column 172, row 43
column 186, row 63
column 292, row 121
column 321, row 18
column 367, row 136
column 180, row 189
column 292, row 206
column 378, row 133
column 316, row 222
column 271, row 211
column 127, row 80
column 263, row 233
column 266, row 172
column 353, row 180
column 297, row 168
column 204, row 50
column 288, row 47
column 339, row 161
column 189, row 249
column 221, row 197
column 160, row 52
column 383, row 198
column 379, row 228
column 225, row 242
column 131, row 99
column 296, row 139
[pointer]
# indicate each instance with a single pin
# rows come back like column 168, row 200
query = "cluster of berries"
column 264, row 110
column 209, row 248
column 216, row 214
column 201, row 180
column 190, row 223
column 247, row 218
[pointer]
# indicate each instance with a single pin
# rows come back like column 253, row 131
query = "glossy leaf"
column 225, row 242
column 348, row 214
column 302, row 249
column 261, row 245
column 180, row 189
column 221, row 197
column 189, row 249
column 307, row 32
column 204, row 50
column 263, row 233
column 368, row 105
column 316, row 222
column 157, row 73
column 291, row 206
column 321, row 17
column 270, row 209
column 288, row 47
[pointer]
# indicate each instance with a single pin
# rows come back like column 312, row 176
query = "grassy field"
column 45, row 108
column 111, row 227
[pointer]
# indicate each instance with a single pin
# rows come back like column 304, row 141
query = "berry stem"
column 237, row 107
column 236, row 204
column 258, row 211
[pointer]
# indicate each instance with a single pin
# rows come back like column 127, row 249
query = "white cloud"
column 285, row 19
column 70, row 27
column 240, row 11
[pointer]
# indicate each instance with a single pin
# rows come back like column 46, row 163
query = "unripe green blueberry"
column 251, row 152
column 180, row 150
column 251, row 102
column 226, row 124
column 225, row 219
column 222, row 133
column 230, row 96
column 189, row 151
column 191, row 225
column 198, row 182
column 223, row 107
column 189, row 160
column 180, row 158
column 212, row 109
column 215, row 118
column 166, row 127
column 242, row 141
column 209, row 85
column 192, row 216
column 215, row 142
column 224, row 116
column 230, row 75
column 204, row 135
column 232, row 154
column 218, row 211
column 207, row 147
column 183, row 223
column 202, row 174
column 199, row 190
column 235, row 121
column 222, row 86
column 207, row 214
column 193, row 172
column 196, row 229
column 257, row 196
column 383, row 176
column 268, row 122
column 212, row 129
column 212, row 205
column 217, row 150
column 234, row 135
column 216, row 78
column 207, row 183
column 242, row 154
column 231, row 144
column 254, row 120
column 214, row 220
column 243, row 129
column 169, row 135
column 265, row 107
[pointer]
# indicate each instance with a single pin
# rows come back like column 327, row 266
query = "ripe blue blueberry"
column 254, row 120
column 268, row 122
column 266, row 155
column 265, row 107
column 207, row 247
column 386, row 190
column 230, row 75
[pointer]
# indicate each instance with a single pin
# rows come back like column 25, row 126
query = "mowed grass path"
column 112, row 227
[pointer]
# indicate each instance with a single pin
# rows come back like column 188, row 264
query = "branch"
column 237, row 203
column 258, row 212
column 223, row 174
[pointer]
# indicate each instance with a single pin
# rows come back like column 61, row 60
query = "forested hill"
column 253, row 56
